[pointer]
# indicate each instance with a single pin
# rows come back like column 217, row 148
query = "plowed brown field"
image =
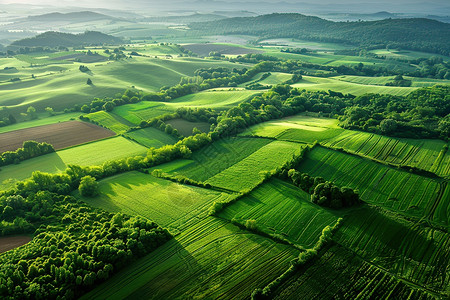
column 60, row 135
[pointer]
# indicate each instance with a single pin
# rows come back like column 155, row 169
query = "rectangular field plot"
column 216, row 98
column 186, row 127
column 216, row 157
column 212, row 259
column 417, row 253
column 60, row 135
column 110, row 121
column 165, row 202
column 423, row 154
column 299, row 128
column 378, row 184
column 246, row 174
column 340, row 274
column 91, row 154
column 144, row 110
column 282, row 209
column 151, row 137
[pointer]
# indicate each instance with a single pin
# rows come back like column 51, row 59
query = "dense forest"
column 428, row 35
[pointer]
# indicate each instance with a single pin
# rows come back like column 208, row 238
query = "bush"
column 88, row 186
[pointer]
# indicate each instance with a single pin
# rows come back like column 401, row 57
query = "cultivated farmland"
column 151, row 137
column 60, row 135
column 110, row 121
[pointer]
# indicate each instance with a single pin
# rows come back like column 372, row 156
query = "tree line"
column 29, row 150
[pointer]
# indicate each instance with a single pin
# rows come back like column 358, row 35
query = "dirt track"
column 60, row 135
column 11, row 242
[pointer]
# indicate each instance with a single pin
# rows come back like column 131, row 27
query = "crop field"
column 91, row 154
column 110, row 121
column 429, row 155
column 12, row 242
column 226, row 49
column 276, row 78
column 280, row 42
column 282, row 209
column 324, row 84
column 186, row 127
column 167, row 203
column 151, row 137
column 417, row 253
column 405, row 54
column 60, row 135
column 216, row 98
column 340, row 274
column 378, row 184
column 299, row 128
column 215, row 157
column 42, row 120
column 247, row 173
column 211, row 259
column 416, row 82
column 144, row 110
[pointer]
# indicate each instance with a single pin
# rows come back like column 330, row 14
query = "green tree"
column 89, row 81
column 88, row 186
column 31, row 112
column 50, row 111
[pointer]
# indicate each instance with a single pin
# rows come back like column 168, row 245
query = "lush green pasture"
column 378, row 184
column 416, row 82
column 216, row 157
column 276, row 78
column 340, row 274
column 186, row 127
column 90, row 154
column 405, row 54
column 294, row 43
column 248, row 172
column 216, row 98
column 211, row 259
column 167, row 203
column 110, row 121
column 299, row 128
column 144, row 110
column 324, row 84
column 151, row 137
column 417, row 253
column 43, row 120
column 282, row 209
column 428, row 155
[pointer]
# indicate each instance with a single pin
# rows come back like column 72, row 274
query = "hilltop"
column 82, row 16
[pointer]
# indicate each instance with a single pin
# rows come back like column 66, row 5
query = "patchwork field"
column 91, row 154
column 284, row 210
column 429, row 155
column 151, row 137
column 185, row 127
column 397, row 190
column 144, row 110
column 60, row 135
column 216, row 98
column 42, row 120
column 110, row 121
column 169, row 204
column 211, row 259
column 226, row 49
column 415, row 82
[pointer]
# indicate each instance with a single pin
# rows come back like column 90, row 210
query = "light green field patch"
column 216, row 98
column 381, row 81
column 247, row 173
column 110, row 121
column 276, row 78
column 91, row 154
column 39, row 122
column 167, row 203
column 144, row 110
column 282, row 209
column 151, row 137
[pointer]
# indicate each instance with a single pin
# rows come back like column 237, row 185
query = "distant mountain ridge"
column 414, row 34
column 82, row 16
column 56, row 39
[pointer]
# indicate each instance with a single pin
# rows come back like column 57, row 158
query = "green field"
column 211, row 259
column 381, row 81
column 299, row 128
column 167, row 203
column 247, row 173
column 284, row 210
column 429, row 155
column 151, row 137
column 378, row 184
column 406, row 54
column 215, row 158
column 311, row 83
column 186, row 127
column 144, row 110
column 90, row 154
column 110, row 121
column 416, row 253
column 275, row 78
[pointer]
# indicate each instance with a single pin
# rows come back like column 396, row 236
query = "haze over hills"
column 56, row 39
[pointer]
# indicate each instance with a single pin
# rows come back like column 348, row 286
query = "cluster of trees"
column 29, row 150
column 399, row 81
column 75, row 248
column 84, row 68
column 423, row 113
column 295, row 50
column 324, row 193
column 108, row 104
